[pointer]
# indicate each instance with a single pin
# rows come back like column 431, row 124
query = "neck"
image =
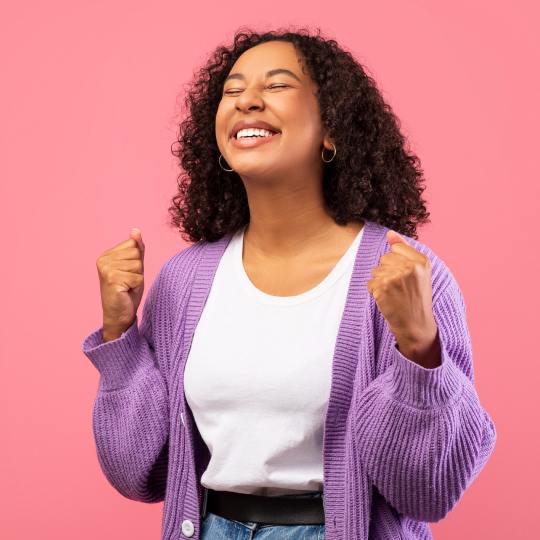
column 287, row 219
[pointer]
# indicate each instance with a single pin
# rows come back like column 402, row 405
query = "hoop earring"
column 332, row 159
column 228, row 170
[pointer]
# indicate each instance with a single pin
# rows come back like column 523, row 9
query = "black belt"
column 265, row 510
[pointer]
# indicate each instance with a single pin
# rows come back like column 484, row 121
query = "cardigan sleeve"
column 422, row 434
column 131, row 415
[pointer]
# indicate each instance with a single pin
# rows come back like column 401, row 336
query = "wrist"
column 113, row 331
column 422, row 347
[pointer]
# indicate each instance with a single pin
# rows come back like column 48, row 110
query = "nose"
column 249, row 100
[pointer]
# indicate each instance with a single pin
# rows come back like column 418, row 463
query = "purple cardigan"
column 401, row 442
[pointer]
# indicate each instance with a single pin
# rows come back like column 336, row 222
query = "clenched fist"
column 401, row 287
column 121, row 280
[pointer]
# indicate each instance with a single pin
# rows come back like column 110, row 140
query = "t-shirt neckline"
column 346, row 262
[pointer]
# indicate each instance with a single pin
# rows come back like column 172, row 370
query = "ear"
column 328, row 143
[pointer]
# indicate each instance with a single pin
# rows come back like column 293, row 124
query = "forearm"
column 120, row 430
column 422, row 436
column 130, row 383
column 422, row 433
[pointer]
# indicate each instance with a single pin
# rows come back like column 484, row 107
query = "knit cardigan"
column 401, row 443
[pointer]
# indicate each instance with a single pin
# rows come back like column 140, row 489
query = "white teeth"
column 250, row 133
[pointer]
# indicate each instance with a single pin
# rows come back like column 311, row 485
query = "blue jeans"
column 217, row 528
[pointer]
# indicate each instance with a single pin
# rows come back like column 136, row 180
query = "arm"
column 131, row 411
column 422, row 433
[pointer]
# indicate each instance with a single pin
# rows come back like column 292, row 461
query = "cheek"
column 303, row 118
column 222, row 117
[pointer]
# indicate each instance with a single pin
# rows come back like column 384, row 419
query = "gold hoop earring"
column 228, row 170
column 335, row 152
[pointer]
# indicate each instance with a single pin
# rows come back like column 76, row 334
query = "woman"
column 304, row 369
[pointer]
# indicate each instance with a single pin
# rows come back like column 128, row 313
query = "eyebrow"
column 271, row 73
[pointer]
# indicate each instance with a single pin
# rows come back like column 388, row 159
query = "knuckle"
column 102, row 268
column 410, row 266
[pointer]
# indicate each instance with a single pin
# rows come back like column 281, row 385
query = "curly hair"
column 374, row 176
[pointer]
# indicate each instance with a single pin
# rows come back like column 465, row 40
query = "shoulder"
column 442, row 278
column 183, row 262
column 179, row 270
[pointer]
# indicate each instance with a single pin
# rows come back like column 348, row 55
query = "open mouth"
column 253, row 140
column 254, row 133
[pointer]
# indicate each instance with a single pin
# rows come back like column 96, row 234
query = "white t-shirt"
column 258, row 376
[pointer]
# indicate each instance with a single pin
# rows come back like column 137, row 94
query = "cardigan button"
column 187, row 528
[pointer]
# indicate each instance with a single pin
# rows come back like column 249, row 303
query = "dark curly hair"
column 374, row 176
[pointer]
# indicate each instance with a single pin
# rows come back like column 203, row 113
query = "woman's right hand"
column 121, row 280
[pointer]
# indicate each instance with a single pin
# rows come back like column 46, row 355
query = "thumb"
column 395, row 238
column 136, row 235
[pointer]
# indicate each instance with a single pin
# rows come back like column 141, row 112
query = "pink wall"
column 88, row 94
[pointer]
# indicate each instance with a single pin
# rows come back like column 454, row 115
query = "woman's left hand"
column 401, row 287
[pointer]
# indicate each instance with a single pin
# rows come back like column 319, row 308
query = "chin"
column 251, row 169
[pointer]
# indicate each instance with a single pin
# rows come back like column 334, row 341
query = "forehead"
column 268, row 56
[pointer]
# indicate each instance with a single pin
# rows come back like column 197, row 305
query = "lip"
column 253, row 124
column 256, row 141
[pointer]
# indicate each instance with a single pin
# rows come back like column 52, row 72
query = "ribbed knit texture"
column 401, row 442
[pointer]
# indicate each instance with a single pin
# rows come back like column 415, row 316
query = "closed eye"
column 273, row 87
column 277, row 86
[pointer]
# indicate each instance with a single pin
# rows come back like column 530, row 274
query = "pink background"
column 87, row 120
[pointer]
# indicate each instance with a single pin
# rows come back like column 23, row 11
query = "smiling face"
column 267, row 91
